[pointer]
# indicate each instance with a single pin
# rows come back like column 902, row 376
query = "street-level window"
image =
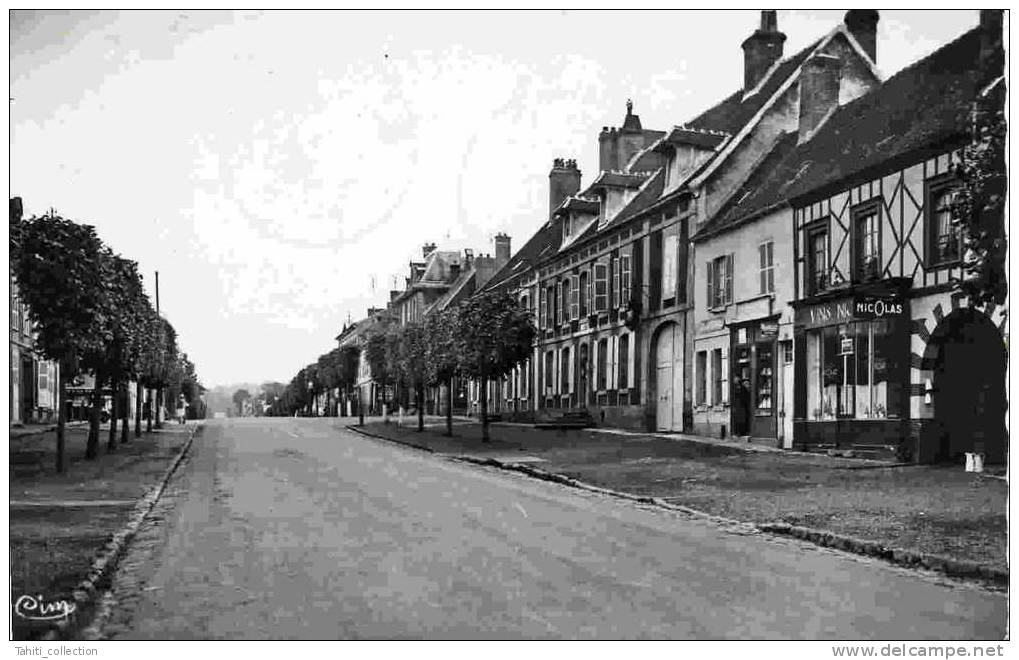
column 702, row 377
column 765, row 377
column 603, row 349
column 564, row 377
column 944, row 243
column 549, row 371
column 624, row 362
column 719, row 377
column 766, row 254
column 867, row 253
column 853, row 372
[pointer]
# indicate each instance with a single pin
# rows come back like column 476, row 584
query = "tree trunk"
column 150, row 408
column 484, row 409
column 125, row 413
column 111, row 440
column 449, row 408
column 138, row 395
column 421, row 408
column 92, row 445
column 61, row 421
column 158, row 413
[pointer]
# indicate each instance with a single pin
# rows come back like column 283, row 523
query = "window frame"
column 585, row 293
column 933, row 187
column 812, row 232
column 871, row 207
column 766, row 272
column 623, row 377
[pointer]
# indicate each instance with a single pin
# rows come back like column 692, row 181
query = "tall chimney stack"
column 502, row 250
column 563, row 182
column 862, row 24
column 819, row 92
column 762, row 49
column 427, row 249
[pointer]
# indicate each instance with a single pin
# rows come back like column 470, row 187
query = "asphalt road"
column 295, row 529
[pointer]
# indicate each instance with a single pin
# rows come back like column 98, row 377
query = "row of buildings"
column 782, row 266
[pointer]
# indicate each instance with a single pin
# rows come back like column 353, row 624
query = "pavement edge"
column 115, row 547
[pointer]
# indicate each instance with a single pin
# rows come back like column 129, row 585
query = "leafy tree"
column 376, row 353
column 441, row 355
column 411, row 358
column 979, row 205
column 240, row 397
column 494, row 335
column 57, row 265
column 272, row 392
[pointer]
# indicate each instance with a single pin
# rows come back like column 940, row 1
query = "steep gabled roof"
column 926, row 105
column 538, row 245
column 649, row 192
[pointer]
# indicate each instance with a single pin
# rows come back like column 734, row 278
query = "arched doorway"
column 668, row 378
column 968, row 360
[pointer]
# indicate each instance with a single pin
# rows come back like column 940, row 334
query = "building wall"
column 711, row 329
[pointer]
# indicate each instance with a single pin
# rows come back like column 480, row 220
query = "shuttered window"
column 615, row 301
column 625, row 278
column 574, row 307
column 624, row 362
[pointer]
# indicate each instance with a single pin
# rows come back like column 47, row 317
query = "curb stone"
column 115, row 547
column 369, row 434
column 957, row 568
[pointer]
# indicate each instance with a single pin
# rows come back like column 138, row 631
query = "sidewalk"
column 58, row 522
column 938, row 510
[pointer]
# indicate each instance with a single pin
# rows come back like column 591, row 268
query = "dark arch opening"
column 966, row 354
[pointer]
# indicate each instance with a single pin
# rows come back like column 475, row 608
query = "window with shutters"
column 766, row 253
column 574, row 308
column 624, row 278
column 719, row 281
column 564, row 299
column 624, row 362
column 585, row 293
column 549, row 371
column 603, row 346
column 614, row 301
column 601, row 286
column 541, row 308
column 550, row 308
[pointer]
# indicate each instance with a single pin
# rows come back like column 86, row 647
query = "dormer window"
column 566, row 227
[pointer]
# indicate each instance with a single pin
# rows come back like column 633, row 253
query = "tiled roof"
column 648, row 194
column 620, row 179
column 927, row 105
column 528, row 255
column 732, row 113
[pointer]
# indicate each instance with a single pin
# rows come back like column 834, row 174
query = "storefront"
column 852, row 371
column 754, row 351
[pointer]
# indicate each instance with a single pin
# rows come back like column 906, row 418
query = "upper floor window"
column 564, row 299
column 601, row 287
column 867, row 242
column 624, row 278
column 574, row 297
column 719, row 280
column 670, row 263
column 944, row 234
column 766, row 254
column 817, row 260
column 542, row 311
column 553, row 310
column 566, row 228
column 614, row 267
column 585, row 293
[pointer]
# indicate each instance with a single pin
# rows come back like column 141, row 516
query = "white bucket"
column 978, row 462
column 970, row 461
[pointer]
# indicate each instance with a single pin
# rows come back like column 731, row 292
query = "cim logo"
column 877, row 308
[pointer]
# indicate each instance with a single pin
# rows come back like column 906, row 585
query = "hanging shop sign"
column 769, row 329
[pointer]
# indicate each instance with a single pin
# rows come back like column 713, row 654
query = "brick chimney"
column 862, row 24
column 762, row 49
column 502, row 250
column 563, row 182
column 427, row 249
column 819, row 92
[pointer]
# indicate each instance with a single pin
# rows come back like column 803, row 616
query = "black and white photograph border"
column 483, row 324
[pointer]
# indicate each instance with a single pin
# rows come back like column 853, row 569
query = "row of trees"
column 482, row 339
column 335, row 371
column 91, row 315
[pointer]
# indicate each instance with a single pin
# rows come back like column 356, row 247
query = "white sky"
column 271, row 165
